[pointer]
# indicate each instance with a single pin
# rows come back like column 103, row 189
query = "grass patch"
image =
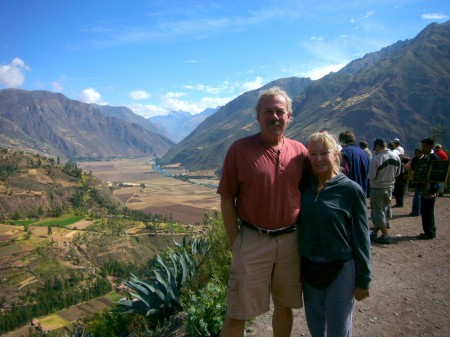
column 54, row 321
column 21, row 222
column 49, row 266
column 97, row 224
column 61, row 221
column 113, row 296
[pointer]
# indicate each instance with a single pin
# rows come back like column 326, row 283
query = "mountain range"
column 51, row 124
column 401, row 91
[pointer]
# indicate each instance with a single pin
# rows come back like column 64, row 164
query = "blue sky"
column 160, row 56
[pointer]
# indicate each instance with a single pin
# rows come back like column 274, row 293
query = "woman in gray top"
column 334, row 242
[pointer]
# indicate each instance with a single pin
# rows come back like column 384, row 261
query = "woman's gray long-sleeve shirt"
column 333, row 224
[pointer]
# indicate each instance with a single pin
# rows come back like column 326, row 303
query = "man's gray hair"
column 274, row 91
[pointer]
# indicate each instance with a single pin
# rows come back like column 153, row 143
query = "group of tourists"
column 390, row 173
column 297, row 221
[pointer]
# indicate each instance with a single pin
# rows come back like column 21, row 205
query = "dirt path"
column 410, row 291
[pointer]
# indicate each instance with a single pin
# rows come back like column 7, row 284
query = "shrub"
column 206, row 311
column 218, row 261
column 109, row 324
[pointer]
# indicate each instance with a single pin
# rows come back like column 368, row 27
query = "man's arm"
column 229, row 216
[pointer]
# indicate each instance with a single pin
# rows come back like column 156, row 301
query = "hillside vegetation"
column 64, row 237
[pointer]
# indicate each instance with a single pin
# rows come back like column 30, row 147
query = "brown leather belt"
column 272, row 232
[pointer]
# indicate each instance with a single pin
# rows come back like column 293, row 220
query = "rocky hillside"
column 400, row 91
column 53, row 125
column 33, row 186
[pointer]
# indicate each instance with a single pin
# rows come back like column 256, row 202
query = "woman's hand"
column 361, row 294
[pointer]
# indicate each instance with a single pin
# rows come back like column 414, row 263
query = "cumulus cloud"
column 320, row 72
column 434, row 16
column 139, row 94
column 252, row 85
column 211, row 96
column 13, row 75
column 148, row 110
column 178, row 101
column 173, row 101
column 90, row 95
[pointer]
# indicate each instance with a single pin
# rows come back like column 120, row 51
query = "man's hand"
column 229, row 216
column 361, row 294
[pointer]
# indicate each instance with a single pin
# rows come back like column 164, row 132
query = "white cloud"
column 210, row 20
column 57, row 87
column 365, row 16
column 177, row 101
column 13, row 75
column 320, row 72
column 252, row 85
column 139, row 94
column 225, row 87
column 434, row 16
column 172, row 102
column 148, row 110
column 182, row 101
column 212, row 102
column 90, row 95
column 331, row 52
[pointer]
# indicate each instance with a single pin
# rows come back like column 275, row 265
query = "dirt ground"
column 410, row 290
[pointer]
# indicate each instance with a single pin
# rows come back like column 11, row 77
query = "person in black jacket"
column 429, row 193
column 415, row 209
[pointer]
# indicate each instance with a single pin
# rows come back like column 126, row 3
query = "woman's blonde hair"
column 331, row 144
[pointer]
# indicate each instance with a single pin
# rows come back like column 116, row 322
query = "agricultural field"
column 30, row 253
column 61, row 319
column 186, row 201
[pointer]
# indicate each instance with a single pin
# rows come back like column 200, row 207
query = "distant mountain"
column 400, row 91
column 54, row 125
column 178, row 124
column 127, row 115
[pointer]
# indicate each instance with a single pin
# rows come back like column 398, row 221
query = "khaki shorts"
column 263, row 265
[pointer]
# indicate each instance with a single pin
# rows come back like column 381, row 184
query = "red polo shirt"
column 265, row 181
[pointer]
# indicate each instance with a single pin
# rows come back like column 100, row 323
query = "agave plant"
column 157, row 296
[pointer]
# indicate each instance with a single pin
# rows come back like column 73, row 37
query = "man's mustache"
column 275, row 123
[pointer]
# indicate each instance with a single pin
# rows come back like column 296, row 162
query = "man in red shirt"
column 260, row 202
column 444, row 156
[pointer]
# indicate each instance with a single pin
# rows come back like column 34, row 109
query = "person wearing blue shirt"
column 355, row 162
